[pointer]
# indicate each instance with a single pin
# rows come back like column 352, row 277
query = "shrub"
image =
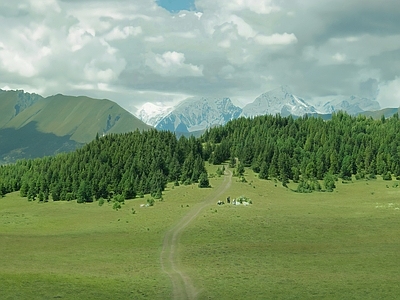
column 69, row 196
column 119, row 198
column 116, row 206
column 150, row 201
column 387, row 176
column 101, row 201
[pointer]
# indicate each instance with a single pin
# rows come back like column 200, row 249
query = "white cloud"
column 256, row 6
column 276, row 39
column 154, row 39
column 339, row 57
column 43, row 6
column 389, row 93
column 173, row 63
column 120, row 34
column 78, row 37
column 237, row 48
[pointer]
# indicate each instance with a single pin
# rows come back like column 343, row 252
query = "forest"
column 309, row 149
column 306, row 150
column 129, row 165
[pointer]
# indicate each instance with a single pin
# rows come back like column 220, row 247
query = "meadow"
column 286, row 245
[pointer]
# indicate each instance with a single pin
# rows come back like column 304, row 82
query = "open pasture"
column 340, row 245
column 285, row 245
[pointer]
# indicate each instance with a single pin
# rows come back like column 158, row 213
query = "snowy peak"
column 352, row 105
column 151, row 113
column 194, row 114
column 278, row 101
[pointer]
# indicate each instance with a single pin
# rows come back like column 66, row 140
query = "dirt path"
column 182, row 286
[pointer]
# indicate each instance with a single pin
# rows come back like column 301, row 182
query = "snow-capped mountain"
column 194, row 114
column 279, row 100
column 199, row 113
column 151, row 114
column 352, row 105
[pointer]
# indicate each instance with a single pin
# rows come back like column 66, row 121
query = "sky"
column 164, row 51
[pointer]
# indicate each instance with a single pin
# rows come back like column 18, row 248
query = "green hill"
column 33, row 126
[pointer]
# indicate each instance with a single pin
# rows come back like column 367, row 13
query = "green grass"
column 340, row 245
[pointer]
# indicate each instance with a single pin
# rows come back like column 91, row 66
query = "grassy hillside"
column 284, row 246
column 33, row 126
column 387, row 112
column 27, row 142
column 79, row 117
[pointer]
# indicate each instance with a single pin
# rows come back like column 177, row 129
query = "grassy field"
column 285, row 245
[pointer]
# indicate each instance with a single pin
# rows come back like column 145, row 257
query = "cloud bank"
column 136, row 51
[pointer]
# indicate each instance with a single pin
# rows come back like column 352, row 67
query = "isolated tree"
column 203, row 181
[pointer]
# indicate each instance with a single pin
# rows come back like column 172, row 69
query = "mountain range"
column 197, row 114
column 34, row 126
column 194, row 115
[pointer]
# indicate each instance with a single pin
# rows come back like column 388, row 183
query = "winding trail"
column 182, row 285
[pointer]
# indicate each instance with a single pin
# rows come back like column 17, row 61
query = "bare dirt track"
column 182, row 285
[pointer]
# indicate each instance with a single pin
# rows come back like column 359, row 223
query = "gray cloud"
column 136, row 51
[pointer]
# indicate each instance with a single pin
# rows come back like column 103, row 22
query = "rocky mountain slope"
column 195, row 114
column 278, row 101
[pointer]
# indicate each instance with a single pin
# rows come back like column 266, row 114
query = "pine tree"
column 203, row 181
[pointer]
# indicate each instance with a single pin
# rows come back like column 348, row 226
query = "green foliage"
column 116, row 205
column 311, row 147
column 150, row 201
column 387, row 176
column 136, row 163
column 101, row 201
column 308, row 186
column 329, row 182
column 119, row 198
column 204, row 182
column 263, row 171
column 240, row 169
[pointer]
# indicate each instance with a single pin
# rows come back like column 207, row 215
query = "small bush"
column 387, row 176
column 150, row 201
column 119, row 198
column 101, row 201
column 116, row 206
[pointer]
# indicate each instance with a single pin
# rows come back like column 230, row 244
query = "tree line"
column 130, row 164
column 308, row 149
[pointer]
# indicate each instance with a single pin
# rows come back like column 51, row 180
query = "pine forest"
column 308, row 150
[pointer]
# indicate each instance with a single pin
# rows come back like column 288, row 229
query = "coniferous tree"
column 203, row 181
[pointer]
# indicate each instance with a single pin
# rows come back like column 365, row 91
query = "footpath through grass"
column 285, row 245
column 83, row 251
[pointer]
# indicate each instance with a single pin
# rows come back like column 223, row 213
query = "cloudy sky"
column 136, row 51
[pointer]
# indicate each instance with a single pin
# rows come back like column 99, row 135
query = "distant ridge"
column 194, row 115
column 78, row 118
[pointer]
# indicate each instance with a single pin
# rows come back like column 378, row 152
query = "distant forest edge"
column 306, row 150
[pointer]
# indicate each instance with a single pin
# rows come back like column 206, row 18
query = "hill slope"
column 79, row 117
column 61, row 123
